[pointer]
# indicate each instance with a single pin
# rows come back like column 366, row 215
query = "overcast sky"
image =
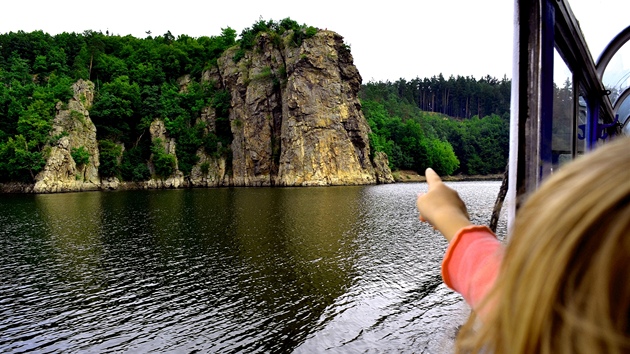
column 394, row 39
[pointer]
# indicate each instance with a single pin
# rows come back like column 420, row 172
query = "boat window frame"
column 540, row 27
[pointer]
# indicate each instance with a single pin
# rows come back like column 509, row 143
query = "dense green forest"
column 460, row 97
column 457, row 125
column 410, row 123
column 136, row 82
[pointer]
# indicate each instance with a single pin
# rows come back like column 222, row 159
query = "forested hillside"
column 437, row 123
column 459, row 125
column 419, row 122
column 136, row 81
column 461, row 97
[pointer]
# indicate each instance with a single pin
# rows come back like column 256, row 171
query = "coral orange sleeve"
column 471, row 263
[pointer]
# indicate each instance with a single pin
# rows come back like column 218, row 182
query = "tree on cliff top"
column 276, row 30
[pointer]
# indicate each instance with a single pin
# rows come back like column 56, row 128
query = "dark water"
column 305, row 270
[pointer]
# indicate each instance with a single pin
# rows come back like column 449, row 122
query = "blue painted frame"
column 541, row 27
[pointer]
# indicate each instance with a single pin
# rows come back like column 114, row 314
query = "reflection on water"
column 347, row 269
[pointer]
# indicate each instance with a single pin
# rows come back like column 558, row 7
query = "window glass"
column 624, row 115
column 617, row 75
column 562, row 126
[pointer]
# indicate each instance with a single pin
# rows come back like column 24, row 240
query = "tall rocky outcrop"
column 295, row 118
column 72, row 129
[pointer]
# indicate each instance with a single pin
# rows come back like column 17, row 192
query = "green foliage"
column 116, row 109
column 27, row 108
column 60, row 88
column 17, row 70
column 55, row 139
column 188, row 143
column 109, row 155
column 110, row 67
column 227, row 39
column 80, row 156
column 211, row 143
column 484, row 144
column 35, row 123
column 240, row 54
column 310, row 32
column 163, row 162
column 78, row 116
column 461, row 97
column 414, row 139
column 222, row 102
column 443, row 157
column 134, row 164
column 18, row 162
column 205, row 168
column 184, row 108
column 136, row 82
column 265, row 73
column 276, row 29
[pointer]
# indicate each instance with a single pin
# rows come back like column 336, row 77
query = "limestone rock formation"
column 294, row 115
column 110, row 183
column 296, row 119
column 210, row 171
column 175, row 180
column 381, row 168
column 73, row 129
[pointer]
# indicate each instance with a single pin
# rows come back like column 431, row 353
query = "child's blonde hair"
column 564, row 285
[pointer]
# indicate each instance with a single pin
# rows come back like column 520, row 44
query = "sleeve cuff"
column 458, row 246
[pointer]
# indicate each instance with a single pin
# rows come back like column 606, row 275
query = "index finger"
column 433, row 178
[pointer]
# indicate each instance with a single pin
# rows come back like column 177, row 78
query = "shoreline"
column 401, row 176
column 407, row 176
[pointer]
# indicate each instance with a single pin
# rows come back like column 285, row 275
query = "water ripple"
column 227, row 270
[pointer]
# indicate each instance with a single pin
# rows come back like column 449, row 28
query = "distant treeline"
column 437, row 123
column 461, row 97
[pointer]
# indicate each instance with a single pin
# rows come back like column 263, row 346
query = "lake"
column 228, row 270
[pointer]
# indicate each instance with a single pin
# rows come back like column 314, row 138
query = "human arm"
column 474, row 254
column 442, row 207
column 472, row 262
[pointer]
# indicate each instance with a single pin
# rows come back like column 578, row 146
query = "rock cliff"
column 73, row 130
column 295, row 118
column 381, row 168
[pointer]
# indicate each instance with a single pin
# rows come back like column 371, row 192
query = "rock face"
column 295, row 118
column 381, row 168
column 210, row 171
column 73, row 129
column 176, row 180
